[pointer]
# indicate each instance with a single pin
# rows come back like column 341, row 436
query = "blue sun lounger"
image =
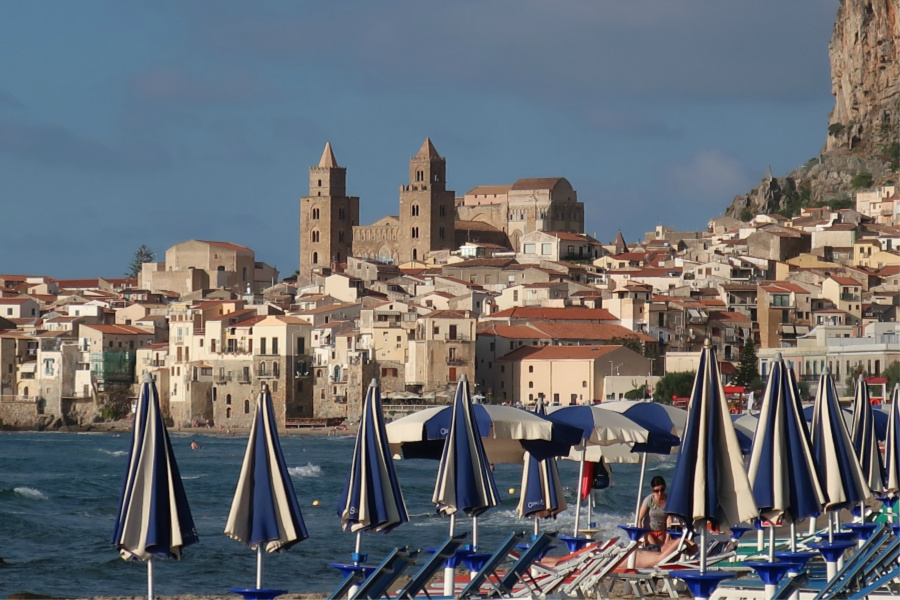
column 490, row 567
column 381, row 578
column 434, row 564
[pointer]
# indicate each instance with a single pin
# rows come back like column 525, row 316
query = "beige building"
column 442, row 350
column 559, row 246
column 846, row 295
column 565, row 375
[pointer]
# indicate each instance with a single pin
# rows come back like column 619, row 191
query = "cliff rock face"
column 865, row 121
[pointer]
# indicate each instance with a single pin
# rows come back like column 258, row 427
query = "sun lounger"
column 592, row 576
column 519, row 571
column 428, row 570
column 549, row 579
column 490, row 566
column 393, row 565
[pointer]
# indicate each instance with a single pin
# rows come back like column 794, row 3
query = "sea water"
column 59, row 494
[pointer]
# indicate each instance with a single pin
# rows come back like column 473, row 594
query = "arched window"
column 315, row 213
column 337, row 373
column 315, row 235
column 262, row 369
column 414, row 210
column 25, row 391
column 320, row 183
column 315, row 258
column 228, row 413
column 420, row 176
column 443, row 210
column 246, row 407
column 339, row 257
column 276, row 370
column 228, row 400
column 415, row 254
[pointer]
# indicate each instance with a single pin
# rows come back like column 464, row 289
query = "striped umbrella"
column 842, row 478
column 862, row 434
column 541, row 495
column 465, row 482
column 265, row 513
column 709, row 483
column 154, row 519
column 371, row 499
column 782, row 471
column 892, row 445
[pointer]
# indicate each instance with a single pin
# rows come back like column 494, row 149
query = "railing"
column 243, row 378
column 15, row 398
column 849, row 298
column 222, row 378
column 457, row 361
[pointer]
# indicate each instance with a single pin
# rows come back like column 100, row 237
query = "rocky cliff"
column 864, row 127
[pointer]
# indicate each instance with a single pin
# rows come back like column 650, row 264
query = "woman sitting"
column 653, row 515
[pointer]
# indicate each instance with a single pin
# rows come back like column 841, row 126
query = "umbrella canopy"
column 602, row 427
column 542, row 492
column 709, row 482
column 879, row 417
column 862, row 434
column 465, row 481
column 265, row 508
column 842, row 478
column 372, row 500
column 745, row 428
column 664, row 423
column 892, row 444
column 782, row 470
column 154, row 518
column 506, row 433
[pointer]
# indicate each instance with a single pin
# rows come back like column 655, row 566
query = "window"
column 443, row 210
column 530, row 384
column 529, row 249
column 546, row 249
column 262, row 345
column 414, row 210
column 441, row 233
column 276, row 370
column 414, row 233
column 228, row 413
column 274, row 345
column 262, row 369
column 781, row 300
column 315, row 235
column 584, row 384
column 531, row 368
column 420, row 175
column 315, row 213
column 246, row 407
column 315, row 257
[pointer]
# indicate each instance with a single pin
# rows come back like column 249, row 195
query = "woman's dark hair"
column 657, row 481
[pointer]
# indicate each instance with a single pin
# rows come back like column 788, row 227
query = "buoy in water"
column 316, row 503
column 512, row 491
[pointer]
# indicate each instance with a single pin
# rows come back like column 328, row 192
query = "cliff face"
column 865, row 121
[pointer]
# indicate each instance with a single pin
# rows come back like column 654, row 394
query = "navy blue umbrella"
column 541, row 495
column 709, row 483
column 892, row 445
column 371, row 499
column 265, row 513
column 879, row 418
column 862, row 434
column 782, row 470
column 154, row 519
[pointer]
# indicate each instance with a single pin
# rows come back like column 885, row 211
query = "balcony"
column 223, row 378
column 849, row 298
column 243, row 378
column 457, row 362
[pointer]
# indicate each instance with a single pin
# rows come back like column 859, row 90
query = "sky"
column 125, row 123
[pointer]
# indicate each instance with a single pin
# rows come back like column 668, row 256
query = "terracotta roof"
column 588, row 331
column 474, row 226
column 225, row 245
column 549, row 314
column 783, row 286
column 513, row 332
column 727, row 315
column 238, row 314
column 118, row 329
column 546, row 183
column 846, row 280
column 14, row 300
column 488, row 190
column 558, row 352
column 484, row 262
column 447, row 314
column 572, row 237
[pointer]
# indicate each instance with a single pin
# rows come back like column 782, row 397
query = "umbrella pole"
column 450, row 566
column 359, row 541
column 793, row 536
column 150, row 592
column 580, row 483
column 474, row 533
column 637, row 507
column 259, row 565
column 703, row 534
column 771, row 541
column 537, row 526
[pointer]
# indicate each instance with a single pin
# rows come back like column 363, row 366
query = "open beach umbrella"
column 371, row 499
column 892, row 445
column 862, row 434
column 265, row 513
column 842, row 478
column 782, row 471
column 608, row 428
column 506, row 433
column 709, row 484
column 541, row 494
column 154, row 519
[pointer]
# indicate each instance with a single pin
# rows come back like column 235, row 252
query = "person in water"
column 195, row 445
column 653, row 513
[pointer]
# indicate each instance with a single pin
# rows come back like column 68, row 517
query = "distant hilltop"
column 862, row 147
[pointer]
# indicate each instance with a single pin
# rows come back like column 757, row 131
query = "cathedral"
column 431, row 219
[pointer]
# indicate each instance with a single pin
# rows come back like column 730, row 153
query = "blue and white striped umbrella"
column 862, row 434
column 371, row 499
column 465, row 482
column 154, row 519
column 892, row 445
column 709, row 482
column 840, row 474
column 264, row 512
column 541, row 495
column 782, row 470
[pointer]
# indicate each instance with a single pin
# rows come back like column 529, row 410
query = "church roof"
column 620, row 244
column 328, row 159
column 427, row 150
column 540, row 183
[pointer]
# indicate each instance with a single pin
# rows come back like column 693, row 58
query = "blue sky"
column 125, row 123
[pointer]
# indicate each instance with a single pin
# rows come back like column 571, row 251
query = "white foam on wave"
column 114, row 452
column 193, row 476
column 30, row 493
column 307, row 470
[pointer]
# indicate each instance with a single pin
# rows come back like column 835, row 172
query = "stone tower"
column 327, row 217
column 427, row 214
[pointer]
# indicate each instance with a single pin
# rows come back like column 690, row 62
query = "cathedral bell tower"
column 427, row 211
column 327, row 217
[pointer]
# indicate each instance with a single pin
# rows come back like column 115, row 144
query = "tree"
column 674, row 384
column 892, row 372
column 747, row 371
column 142, row 255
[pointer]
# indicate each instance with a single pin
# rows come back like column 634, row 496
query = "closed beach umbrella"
column 840, row 474
column 265, row 513
column 541, row 494
column 465, row 482
column 154, row 519
column 782, row 471
column 892, row 445
column 709, row 484
column 371, row 500
column 879, row 418
column 506, row 433
column 862, row 434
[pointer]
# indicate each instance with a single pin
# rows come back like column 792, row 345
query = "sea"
column 59, row 495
